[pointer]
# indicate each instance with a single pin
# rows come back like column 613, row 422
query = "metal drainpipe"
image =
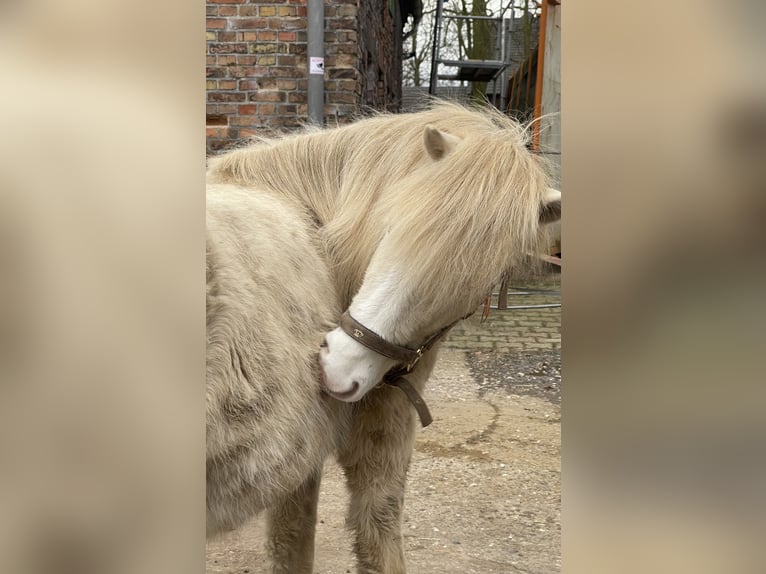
column 315, row 12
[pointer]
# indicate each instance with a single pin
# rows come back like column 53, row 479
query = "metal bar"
column 435, row 49
column 518, row 291
column 545, row 306
column 464, row 17
column 505, row 58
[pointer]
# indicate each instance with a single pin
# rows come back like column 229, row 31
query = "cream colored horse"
column 404, row 221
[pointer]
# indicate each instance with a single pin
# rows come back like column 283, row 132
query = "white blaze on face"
column 349, row 369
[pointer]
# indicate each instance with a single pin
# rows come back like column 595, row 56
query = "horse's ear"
column 550, row 210
column 439, row 143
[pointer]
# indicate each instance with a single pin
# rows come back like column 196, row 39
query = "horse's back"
column 269, row 300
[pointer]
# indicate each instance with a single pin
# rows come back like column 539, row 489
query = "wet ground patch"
column 536, row 373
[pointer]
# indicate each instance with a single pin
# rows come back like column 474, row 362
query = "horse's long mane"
column 470, row 216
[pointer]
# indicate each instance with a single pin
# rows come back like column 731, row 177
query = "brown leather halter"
column 407, row 358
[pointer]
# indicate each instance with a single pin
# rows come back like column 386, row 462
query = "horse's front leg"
column 292, row 524
column 375, row 464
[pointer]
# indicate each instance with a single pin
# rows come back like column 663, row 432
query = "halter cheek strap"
column 406, row 357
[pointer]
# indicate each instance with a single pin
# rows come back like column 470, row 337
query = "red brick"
column 219, row 132
column 227, row 36
column 215, row 24
column 287, row 36
column 239, row 72
column 267, row 96
column 343, row 24
column 292, row 23
column 340, row 61
column 248, row 85
column 244, row 120
column 342, row 73
column 267, row 36
column 227, row 85
column 346, row 85
column 287, row 84
column 287, row 72
column 348, row 11
column 227, row 109
column 267, row 109
column 224, row 1
column 225, row 97
column 341, row 98
column 247, row 109
column 247, row 23
column 227, row 11
column 345, row 48
column 267, row 84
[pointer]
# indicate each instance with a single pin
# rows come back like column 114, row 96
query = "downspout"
column 315, row 17
column 539, row 79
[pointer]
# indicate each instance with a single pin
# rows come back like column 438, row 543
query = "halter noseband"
column 406, row 357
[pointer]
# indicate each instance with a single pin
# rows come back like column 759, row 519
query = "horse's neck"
column 313, row 173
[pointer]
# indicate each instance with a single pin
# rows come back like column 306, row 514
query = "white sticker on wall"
column 316, row 66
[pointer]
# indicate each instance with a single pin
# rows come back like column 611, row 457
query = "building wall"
column 257, row 64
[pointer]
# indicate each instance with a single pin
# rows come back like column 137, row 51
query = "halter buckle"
column 419, row 353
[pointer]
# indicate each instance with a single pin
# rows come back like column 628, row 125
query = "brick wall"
column 257, row 68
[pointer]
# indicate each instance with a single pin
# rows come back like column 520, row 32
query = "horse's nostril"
column 354, row 387
column 324, row 343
